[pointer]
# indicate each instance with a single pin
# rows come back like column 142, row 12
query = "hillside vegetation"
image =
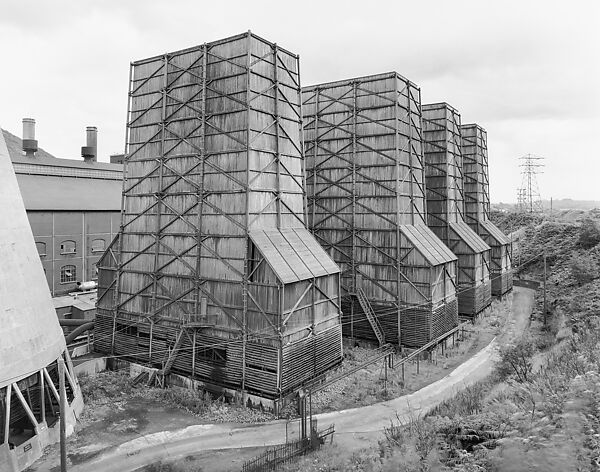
column 540, row 411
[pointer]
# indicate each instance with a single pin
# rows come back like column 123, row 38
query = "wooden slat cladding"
column 214, row 153
column 444, row 181
column 477, row 206
column 366, row 196
column 324, row 351
column 476, row 173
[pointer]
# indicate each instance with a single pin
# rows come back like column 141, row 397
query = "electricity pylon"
column 528, row 195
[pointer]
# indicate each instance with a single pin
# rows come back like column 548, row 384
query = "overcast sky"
column 527, row 71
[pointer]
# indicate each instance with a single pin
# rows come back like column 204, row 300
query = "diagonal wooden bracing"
column 214, row 150
column 477, row 206
column 445, row 182
column 364, row 183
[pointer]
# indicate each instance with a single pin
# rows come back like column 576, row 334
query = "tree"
column 589, row 236
column 516, row 360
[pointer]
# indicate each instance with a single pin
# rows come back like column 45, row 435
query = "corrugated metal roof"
column 42, row 192
column 293, row 254
column 470, row 237
column 494, row 232
column 428, row 244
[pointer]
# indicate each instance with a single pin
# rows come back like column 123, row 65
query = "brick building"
column 73, row 207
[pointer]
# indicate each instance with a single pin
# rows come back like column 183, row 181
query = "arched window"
column 68, row 247
column 98, row 245
column 41, row 248
column 68, row 274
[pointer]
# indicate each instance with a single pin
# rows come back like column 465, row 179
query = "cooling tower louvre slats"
column 289, row 256
column 469, row 236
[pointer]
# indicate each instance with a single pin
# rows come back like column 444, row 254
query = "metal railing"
column 273, row 458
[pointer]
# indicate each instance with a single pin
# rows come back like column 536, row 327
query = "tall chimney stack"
column 30, row 145
column 89, row 152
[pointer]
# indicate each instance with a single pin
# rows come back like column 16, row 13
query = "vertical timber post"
column 247, row 219
column 545, row 298
column 63, row 415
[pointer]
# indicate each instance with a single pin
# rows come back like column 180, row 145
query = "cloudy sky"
column 527, row 71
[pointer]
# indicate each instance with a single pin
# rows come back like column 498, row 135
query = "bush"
column 583, row 269
column 516, row 361
column 105, row 385
column 590, row 234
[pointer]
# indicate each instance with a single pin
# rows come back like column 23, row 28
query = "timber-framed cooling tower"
column 214, row 275
column 366, row 206
column 445, row 207
column 477, row 206
column 31, row 340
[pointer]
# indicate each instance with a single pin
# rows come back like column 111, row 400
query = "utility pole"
column 63, row 415
column 545, row 305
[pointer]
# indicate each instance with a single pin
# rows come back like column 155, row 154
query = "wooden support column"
column 7, row 413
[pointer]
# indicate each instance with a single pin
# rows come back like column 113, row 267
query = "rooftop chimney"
column 30, row 145
column 90, row 150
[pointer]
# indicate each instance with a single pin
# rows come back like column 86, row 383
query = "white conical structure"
column 31, row 339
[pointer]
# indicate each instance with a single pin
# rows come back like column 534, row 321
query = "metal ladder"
column 370, row 314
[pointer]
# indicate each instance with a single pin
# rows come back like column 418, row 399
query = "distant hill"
column 559, row 204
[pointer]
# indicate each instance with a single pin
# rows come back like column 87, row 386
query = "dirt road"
column 353, row 426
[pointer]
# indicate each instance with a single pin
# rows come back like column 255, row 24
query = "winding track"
column 353, row 426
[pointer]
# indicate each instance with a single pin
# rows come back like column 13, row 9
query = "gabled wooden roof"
column 428, row 244
column 293, row 254
column 494, row 232
column 470, row 237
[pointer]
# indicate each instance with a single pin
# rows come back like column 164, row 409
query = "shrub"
column 583, row 269
column 516, row 361
column 590, row 234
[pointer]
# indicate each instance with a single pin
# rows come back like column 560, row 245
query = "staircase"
column 173, row 355
column 370, row 314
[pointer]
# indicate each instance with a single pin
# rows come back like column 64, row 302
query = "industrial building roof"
column 293, row 254
column 469, row 236
column 494, row 232
column 428, row 244
column 49, row 183
column 42, row 192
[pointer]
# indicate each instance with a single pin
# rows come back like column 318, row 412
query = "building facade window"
column 68, row 274
column 68, row 247
column 41, row 248
column 98, row 245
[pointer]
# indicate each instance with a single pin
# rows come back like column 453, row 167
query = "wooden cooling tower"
column 477, row 206
column 366, row 206
column 445, row 207
column 214, row 275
